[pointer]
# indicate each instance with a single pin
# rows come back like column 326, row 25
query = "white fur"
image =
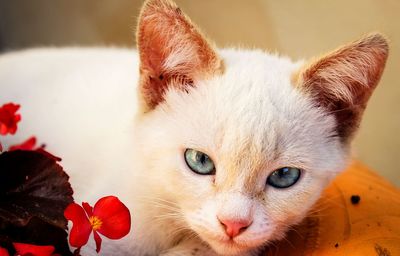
column 250, row 120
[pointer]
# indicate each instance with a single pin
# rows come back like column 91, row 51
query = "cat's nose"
column 233, row 227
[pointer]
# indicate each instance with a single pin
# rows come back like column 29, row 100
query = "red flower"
column 3, row 252
column 9, row 118
column 109, row 217
column 30, row 144
column 33, row 250
column 30, row 250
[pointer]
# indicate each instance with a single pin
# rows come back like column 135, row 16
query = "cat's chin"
column 231, row 247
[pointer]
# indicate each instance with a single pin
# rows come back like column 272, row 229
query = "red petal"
column 3, row 252
column 26, row 145
column 97, row 239
column 29, row 144
column 34, row 250
column 88, row 209
column 115, row 217
column 81, row 227
column 3, row 129
column 11, row 107
column 9, row 118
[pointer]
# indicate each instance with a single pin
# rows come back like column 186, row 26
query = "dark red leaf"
column 46, row 153
column 35, row 232
column 32, row 184
column 34, row 191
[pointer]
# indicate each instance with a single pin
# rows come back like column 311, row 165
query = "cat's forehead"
column 255, row 80
column 257, row 60
column 252, row 112
column 254, row 101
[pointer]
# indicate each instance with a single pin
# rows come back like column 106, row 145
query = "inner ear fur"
column 172, row 51
column 343, row 80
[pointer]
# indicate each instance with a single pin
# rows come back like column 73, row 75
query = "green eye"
column 284, row 177
column 199, row 162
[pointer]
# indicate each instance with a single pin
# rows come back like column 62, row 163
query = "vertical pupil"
column 283, row 172
column 202, row 158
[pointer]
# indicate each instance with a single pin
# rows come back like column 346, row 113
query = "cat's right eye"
column 199, row 162
column 284, row 177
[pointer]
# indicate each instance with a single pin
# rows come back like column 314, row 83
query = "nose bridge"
column 235, row 205
column 243, row 183
column 235, row 213
column 238, row 170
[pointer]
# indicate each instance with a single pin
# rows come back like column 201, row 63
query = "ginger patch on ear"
column 172, row 51
column 343, row 80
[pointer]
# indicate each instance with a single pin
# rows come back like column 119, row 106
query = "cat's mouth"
column 233, row 246
column 233, row 243
column 229, row 247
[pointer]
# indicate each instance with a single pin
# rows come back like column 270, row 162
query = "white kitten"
column 199, row 154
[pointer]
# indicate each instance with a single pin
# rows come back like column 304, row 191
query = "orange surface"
column 338, row 227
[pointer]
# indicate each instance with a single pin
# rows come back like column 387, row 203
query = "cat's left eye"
column 284, row 177
column 199, row 162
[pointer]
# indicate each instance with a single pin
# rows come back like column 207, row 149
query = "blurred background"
column 299, row 29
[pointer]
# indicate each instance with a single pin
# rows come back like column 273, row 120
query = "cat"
column 214, row 151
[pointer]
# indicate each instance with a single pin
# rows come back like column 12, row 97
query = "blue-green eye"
column 199, row 162
column 284, row 177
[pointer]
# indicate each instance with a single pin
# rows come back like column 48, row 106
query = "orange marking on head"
column 343, row 81
column 172, row 50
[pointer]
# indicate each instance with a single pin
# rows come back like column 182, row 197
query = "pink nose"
column 233, row 227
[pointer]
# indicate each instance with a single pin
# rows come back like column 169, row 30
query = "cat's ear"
column 342, row 81
column 172, row 51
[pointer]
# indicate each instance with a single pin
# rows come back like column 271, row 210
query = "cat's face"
column 250, row 121
column 215, row 127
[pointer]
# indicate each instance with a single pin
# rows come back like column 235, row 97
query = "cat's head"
column 241, row 143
